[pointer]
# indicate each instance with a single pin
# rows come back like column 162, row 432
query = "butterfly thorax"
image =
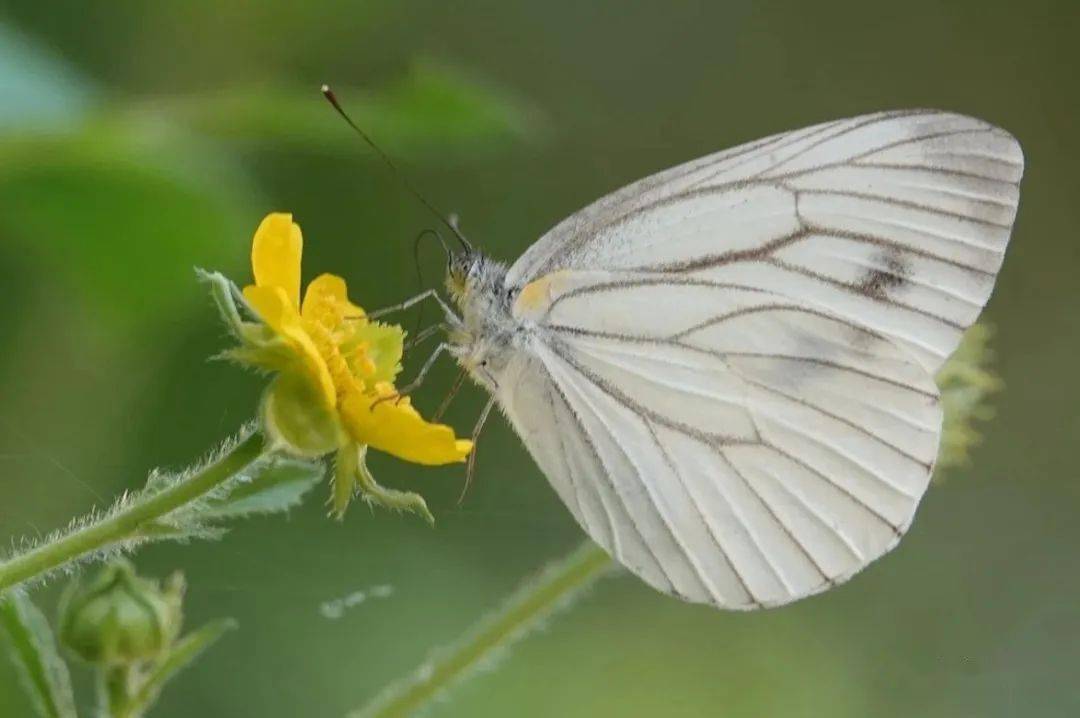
column 485, row 335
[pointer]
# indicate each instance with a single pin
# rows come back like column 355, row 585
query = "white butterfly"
column 726, row 369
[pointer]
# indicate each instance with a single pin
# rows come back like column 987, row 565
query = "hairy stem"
column 556, row 587
column 114, row 685
column 125, row 524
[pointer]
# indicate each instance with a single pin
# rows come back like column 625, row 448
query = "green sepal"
column 374, row 493
column 260, row 346
column 351, row 476
column 343, row 484
column 295, row 419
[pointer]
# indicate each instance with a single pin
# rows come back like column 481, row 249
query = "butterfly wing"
column 897, row 221
column 730, row 378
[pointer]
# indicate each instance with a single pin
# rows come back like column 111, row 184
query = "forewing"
column 897, row 221
column 735, row 357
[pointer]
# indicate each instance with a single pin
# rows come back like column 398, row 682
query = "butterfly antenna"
column 332, row 99
column 419, row 271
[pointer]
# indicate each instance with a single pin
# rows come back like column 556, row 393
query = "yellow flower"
column 333, row 389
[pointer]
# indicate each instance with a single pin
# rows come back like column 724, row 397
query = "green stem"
column 115, row 684
column 535, row 601
column 126, row 523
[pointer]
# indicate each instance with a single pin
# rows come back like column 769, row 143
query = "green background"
column 138, row 140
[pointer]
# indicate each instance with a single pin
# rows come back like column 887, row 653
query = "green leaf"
column 33, row 649
column 182, row 654
column 184, row 529
column 433, row 108
column 122, row 212
column 271, row 487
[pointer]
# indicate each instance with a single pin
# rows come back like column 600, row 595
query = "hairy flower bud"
column 119, row 618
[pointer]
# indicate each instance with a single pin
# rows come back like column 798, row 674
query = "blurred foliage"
column 39, row 89
column 431, row 107
column 34, row 652
column 123, row 214
column 967, row 382
column 179, row 657
column 974, row 614
column 119, row 209
column 126, row 201
column 538, row 600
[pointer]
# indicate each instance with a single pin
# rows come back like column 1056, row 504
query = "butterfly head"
column 464, row 271
column 457, row 274
column 477, row 284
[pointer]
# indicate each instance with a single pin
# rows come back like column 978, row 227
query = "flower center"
column 345, row 382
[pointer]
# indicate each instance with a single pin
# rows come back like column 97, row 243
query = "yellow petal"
column 275, row 255
column 398, row 429
column 275, row 309
column 326, row 301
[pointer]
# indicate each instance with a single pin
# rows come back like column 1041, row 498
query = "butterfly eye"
column 457, row 266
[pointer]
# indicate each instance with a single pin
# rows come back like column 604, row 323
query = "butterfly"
column 726, row 370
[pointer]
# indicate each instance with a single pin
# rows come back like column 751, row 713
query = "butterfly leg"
column 454, row 389
column 425, row 334
column 415, row 383
column 412, row 301
column 470, row 469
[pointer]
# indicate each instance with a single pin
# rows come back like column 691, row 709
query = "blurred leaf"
column 431, row 108
column 967, row 380
column 125, row 207
column 37, row 86
column 278, row 485
column 182, row 654
column 537, row 600
column 123, row 213
column 33, row 650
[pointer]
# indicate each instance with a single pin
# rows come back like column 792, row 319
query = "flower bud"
column 119, row 618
